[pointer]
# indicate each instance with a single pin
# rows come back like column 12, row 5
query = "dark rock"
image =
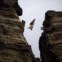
column 11, row 4
column 50, row 42
column 13, row 45
column 37, row 59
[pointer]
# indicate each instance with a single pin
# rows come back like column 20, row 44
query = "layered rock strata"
column 50, row 43
column 13, row 45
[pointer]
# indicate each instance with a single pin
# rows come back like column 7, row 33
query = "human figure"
column 31, row 25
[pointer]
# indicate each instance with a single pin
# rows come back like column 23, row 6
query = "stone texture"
column 50, row 43
column 13, row 45
column 11, row 4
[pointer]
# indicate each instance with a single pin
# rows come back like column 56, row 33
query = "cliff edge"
column 13, row 45
column 50, row 43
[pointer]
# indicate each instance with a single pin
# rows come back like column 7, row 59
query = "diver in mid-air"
column 31, row 25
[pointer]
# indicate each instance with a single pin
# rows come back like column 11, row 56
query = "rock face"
column 50, row 43
column 11, row 4
column 13, row 45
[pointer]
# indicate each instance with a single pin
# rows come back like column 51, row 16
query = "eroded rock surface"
column 13, row 45
column 50, row 43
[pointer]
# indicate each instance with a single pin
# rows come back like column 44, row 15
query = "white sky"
column 36, row 9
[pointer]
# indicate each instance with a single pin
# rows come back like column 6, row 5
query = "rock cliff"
column 13, row 45
column 50, row 43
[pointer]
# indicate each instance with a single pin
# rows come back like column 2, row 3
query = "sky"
column 36, row 9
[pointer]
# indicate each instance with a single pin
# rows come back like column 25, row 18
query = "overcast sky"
column 36, row 9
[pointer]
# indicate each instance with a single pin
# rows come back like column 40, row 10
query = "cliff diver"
column 31, row 25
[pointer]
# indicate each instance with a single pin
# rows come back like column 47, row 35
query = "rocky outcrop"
column 13, row 45
column 50, row 43
column 11, row 4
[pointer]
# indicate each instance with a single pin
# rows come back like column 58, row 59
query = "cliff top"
column 11, row 4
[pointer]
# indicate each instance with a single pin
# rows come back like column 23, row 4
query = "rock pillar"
column 50, row 43
column 13, row 45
